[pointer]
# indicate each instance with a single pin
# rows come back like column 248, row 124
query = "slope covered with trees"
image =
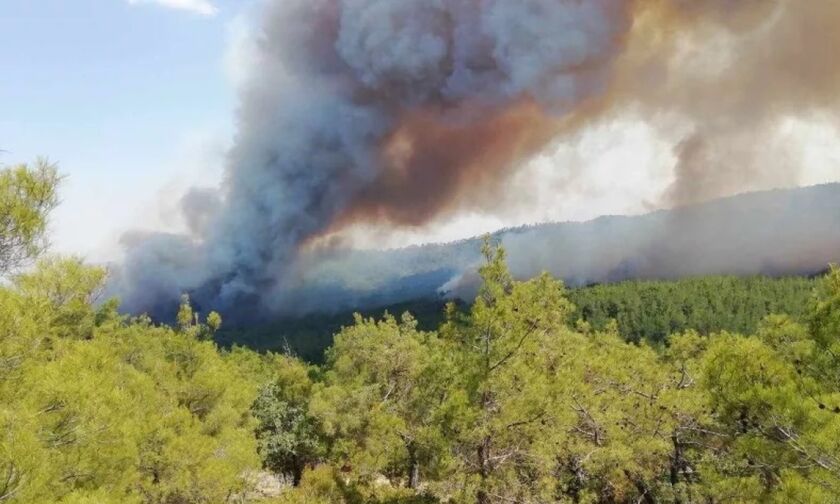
column 507, row 403
column 644, row 311
column 788, row 232
column 653, row 310
column 506, row 400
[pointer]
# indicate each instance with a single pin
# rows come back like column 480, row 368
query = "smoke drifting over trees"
column 767, row 233
column 399, row 112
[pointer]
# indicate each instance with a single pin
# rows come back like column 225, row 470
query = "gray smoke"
column 399, row 112
column 775, row 233
column 350, row 95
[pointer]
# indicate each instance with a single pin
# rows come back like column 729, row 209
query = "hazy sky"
column 135, row 99
column 128, row 96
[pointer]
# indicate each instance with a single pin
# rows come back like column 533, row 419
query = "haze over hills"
column 775, row 233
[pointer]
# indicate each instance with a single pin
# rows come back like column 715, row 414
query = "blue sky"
column 119, row 94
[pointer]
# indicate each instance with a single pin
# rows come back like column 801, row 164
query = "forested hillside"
column 643, row 310
column 653, row 310
column 787, row 232
column 506, row 400
column 308, row 337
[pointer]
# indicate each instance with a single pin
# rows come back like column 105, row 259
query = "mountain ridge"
column 775, row 233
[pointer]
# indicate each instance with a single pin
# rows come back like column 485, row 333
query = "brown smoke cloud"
column 780, row 61
column 431, row 164
column 400, row 112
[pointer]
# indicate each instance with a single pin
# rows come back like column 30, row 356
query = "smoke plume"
column 400, row 112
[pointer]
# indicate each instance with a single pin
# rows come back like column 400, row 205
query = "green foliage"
column 825, row 318
column 185, row 318
column 507, row 403
column 653, row 310
column 214, row 322
column 505, row 396
column 309, row 336
column 504, row 402
column 287, row 435
column 65, row 290
column 27, row 195
column 643, row 310
column 189, row 322
column 380, row 400
column 97, row 408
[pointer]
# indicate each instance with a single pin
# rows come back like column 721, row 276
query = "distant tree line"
column 643, row 310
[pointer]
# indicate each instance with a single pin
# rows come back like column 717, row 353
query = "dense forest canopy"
column 510, row 399
column 644, row 311
column 652, row 311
